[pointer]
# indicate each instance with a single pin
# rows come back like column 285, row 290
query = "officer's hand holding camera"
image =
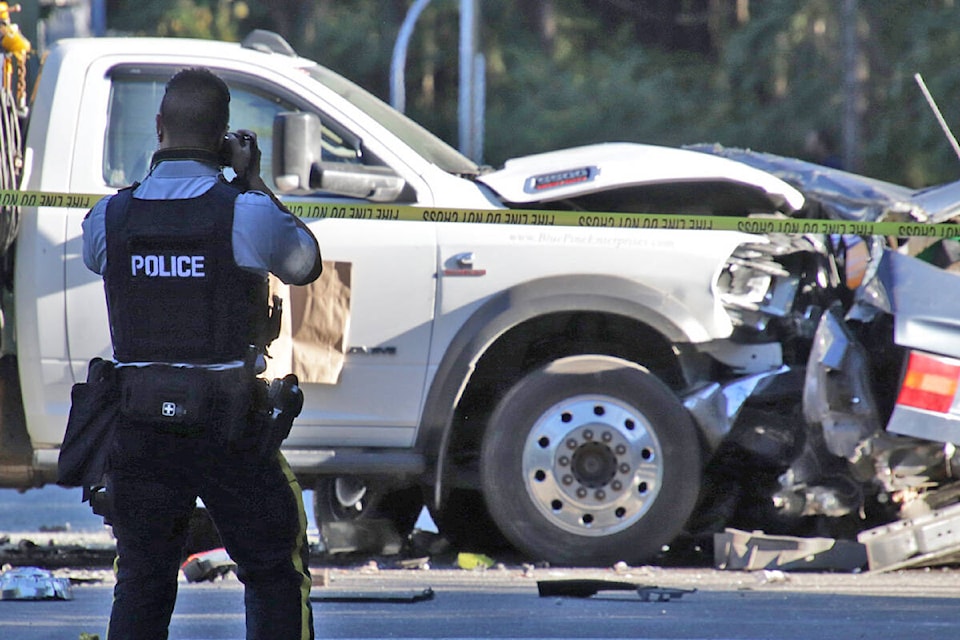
column 241, row 153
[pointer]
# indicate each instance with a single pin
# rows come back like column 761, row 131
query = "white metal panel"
column 623, row 164
column 679, row 265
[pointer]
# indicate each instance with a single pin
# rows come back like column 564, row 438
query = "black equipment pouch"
column 94, row 406
column 166, row 395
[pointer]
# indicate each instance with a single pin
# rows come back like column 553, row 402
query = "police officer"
column 185, row 257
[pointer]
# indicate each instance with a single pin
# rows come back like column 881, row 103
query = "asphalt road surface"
column 361, row 602
column 365, row 600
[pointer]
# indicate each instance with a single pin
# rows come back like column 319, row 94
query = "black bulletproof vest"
column 174, row 291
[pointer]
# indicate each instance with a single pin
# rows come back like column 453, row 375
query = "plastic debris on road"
column 32, row 583
column 207, row 565
column 585, row 588
column 471, row 561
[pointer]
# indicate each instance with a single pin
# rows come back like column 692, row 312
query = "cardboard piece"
column 313, row 328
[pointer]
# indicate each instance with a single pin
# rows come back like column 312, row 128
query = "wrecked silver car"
column 859, row 427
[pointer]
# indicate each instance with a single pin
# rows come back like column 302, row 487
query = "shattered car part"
column 930, row 539
column 207, row 565
column 401, row 597
column 842, row 195
column 753, row 551
column 32, row 583
column 661, row 594
column 836, row 394
column 873, row 331
column 581, row 587
column 587, row 587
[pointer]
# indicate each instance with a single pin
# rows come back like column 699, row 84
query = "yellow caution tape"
column 530, row 217
column 10, row 198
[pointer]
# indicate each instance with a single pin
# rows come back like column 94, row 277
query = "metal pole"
column 98, row 18
column 851, row 85
column 468, row 48
column 398, row 63
column 479, row 106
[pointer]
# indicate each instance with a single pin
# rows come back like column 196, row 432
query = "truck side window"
column 131, row 136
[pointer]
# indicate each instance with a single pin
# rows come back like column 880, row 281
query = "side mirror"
column 298, row 168
column 297, row 141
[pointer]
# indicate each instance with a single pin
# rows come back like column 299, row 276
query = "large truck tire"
column 466, row 524
column 590, row 460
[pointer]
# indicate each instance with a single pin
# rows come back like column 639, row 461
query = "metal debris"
column 927, row 540
column 756, row 550
column 374, row 596
column 585, row 588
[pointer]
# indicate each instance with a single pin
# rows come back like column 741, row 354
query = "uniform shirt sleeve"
column 267, row 239
column 95, row 237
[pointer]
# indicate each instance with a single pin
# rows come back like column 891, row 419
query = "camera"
column 225, row 156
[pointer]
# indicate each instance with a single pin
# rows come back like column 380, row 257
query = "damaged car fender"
column 836, row 395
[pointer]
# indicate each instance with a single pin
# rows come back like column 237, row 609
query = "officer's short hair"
column 197, row 102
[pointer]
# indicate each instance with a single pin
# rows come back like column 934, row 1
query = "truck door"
column 389, row 267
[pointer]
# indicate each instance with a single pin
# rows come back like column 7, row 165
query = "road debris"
column 208, row 565
column 57, row 549
column 928, row 540
column 474, row 561
column 372, row 536
column 661, row 594
column 422, row 564
column 370, row 567
column 772, row 576
column 400, row 597
column 33, row 583
column 753, row 551
column 586, row 587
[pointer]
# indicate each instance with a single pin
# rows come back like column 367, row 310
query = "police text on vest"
column 167, row 266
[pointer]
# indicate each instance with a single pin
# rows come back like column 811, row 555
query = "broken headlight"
column 754, row 287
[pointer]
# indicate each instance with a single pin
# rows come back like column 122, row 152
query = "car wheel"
column 590, row 460
column 346, row 501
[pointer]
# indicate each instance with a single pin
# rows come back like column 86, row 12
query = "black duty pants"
column 256, row 505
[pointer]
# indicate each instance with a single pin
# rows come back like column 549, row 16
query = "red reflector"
column 930, row 383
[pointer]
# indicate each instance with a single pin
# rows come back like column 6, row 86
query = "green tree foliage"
column 755, row 74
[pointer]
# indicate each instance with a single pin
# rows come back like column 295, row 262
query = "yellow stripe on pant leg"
column 306, row 617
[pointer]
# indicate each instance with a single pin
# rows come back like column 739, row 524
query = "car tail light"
column 930, row 382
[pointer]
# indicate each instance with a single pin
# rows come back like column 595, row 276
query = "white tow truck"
column 560, row 388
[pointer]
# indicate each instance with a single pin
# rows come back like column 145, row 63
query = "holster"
column 276, row 404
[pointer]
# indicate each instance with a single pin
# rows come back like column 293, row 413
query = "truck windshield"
column 414, row 135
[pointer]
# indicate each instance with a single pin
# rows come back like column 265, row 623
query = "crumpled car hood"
column 849, row 196
column 843, row 195
column 556, row 175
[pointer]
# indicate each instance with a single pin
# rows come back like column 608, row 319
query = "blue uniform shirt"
column 265, row 238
